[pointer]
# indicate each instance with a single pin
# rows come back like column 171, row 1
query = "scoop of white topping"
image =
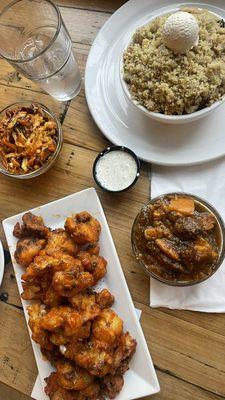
column 180, row 32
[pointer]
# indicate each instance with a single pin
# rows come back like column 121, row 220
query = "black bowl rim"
column 108, row 150
column 220, row 222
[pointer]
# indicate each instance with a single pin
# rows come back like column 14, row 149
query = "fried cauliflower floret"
column 96, row 265
column 37, row 288
column 44, row 263
column 86, row 300
column 39, row 335
column 41, row 265
column 112, row 385
column 88, row 356
column 107, row 328
column 83, row 227
column 69, row 283
column 123, row 353
column 40, row 274
column 86, row 305
column 59, row 338
column 63, row 316
column 27, row 249
column 57, row 392
column 60, row 240
column 54, row 391
column 99, row 361
column 31, row 291
column 32, row 225
column 104, row 298
column 72, row 377
column 92, row 391
column 52, row 298
column 93, row 249
column 75, row 280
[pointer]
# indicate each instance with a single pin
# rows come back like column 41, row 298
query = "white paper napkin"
column 39, row 394
column 208, row 182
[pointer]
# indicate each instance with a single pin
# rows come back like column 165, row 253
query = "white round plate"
column 120, row 121
column 2, row 262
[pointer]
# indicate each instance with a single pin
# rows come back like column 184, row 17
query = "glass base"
column 65, row 97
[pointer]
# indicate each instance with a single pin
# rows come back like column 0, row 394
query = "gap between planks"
column 106, row 6
column 166, row 371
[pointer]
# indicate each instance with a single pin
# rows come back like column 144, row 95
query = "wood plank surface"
column 17, row 365
column 187, row 347
column 93, row 5
column 83, row 25
column 8, row 393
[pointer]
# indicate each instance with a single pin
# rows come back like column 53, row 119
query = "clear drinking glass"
column 34, row 40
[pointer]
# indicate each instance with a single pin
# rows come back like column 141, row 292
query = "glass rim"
column 59, row 24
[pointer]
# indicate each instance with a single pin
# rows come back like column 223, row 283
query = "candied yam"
column 151, row 233
column 182, row 205
column 204, row 252
column 158, row 231
column 167, row 247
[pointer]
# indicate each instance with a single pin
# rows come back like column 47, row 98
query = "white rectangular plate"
column 140, row 379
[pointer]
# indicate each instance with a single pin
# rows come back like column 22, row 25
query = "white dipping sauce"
column 116, row 170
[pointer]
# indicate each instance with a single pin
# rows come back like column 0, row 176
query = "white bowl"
column 168, row 119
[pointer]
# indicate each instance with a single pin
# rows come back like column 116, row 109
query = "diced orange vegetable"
column 151, row 233
column 167, row 248
column 204, row 250
column 182, row 205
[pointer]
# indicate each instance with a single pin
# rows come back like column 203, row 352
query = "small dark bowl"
column 108, row 150
column 208, row 207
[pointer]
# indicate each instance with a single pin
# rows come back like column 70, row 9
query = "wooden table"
column 188, row 348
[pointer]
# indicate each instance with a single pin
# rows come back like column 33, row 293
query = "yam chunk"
column 167, row 247
column 151, row 233
column 182, row 205
column 204, row 251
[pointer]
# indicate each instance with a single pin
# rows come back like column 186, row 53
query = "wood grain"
column 185, row 350
column 8, row 393
column 93, row 5
column 17, row 366
column 83, row 25
column 174, row 388
column 10, row 94
column 8, row 291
